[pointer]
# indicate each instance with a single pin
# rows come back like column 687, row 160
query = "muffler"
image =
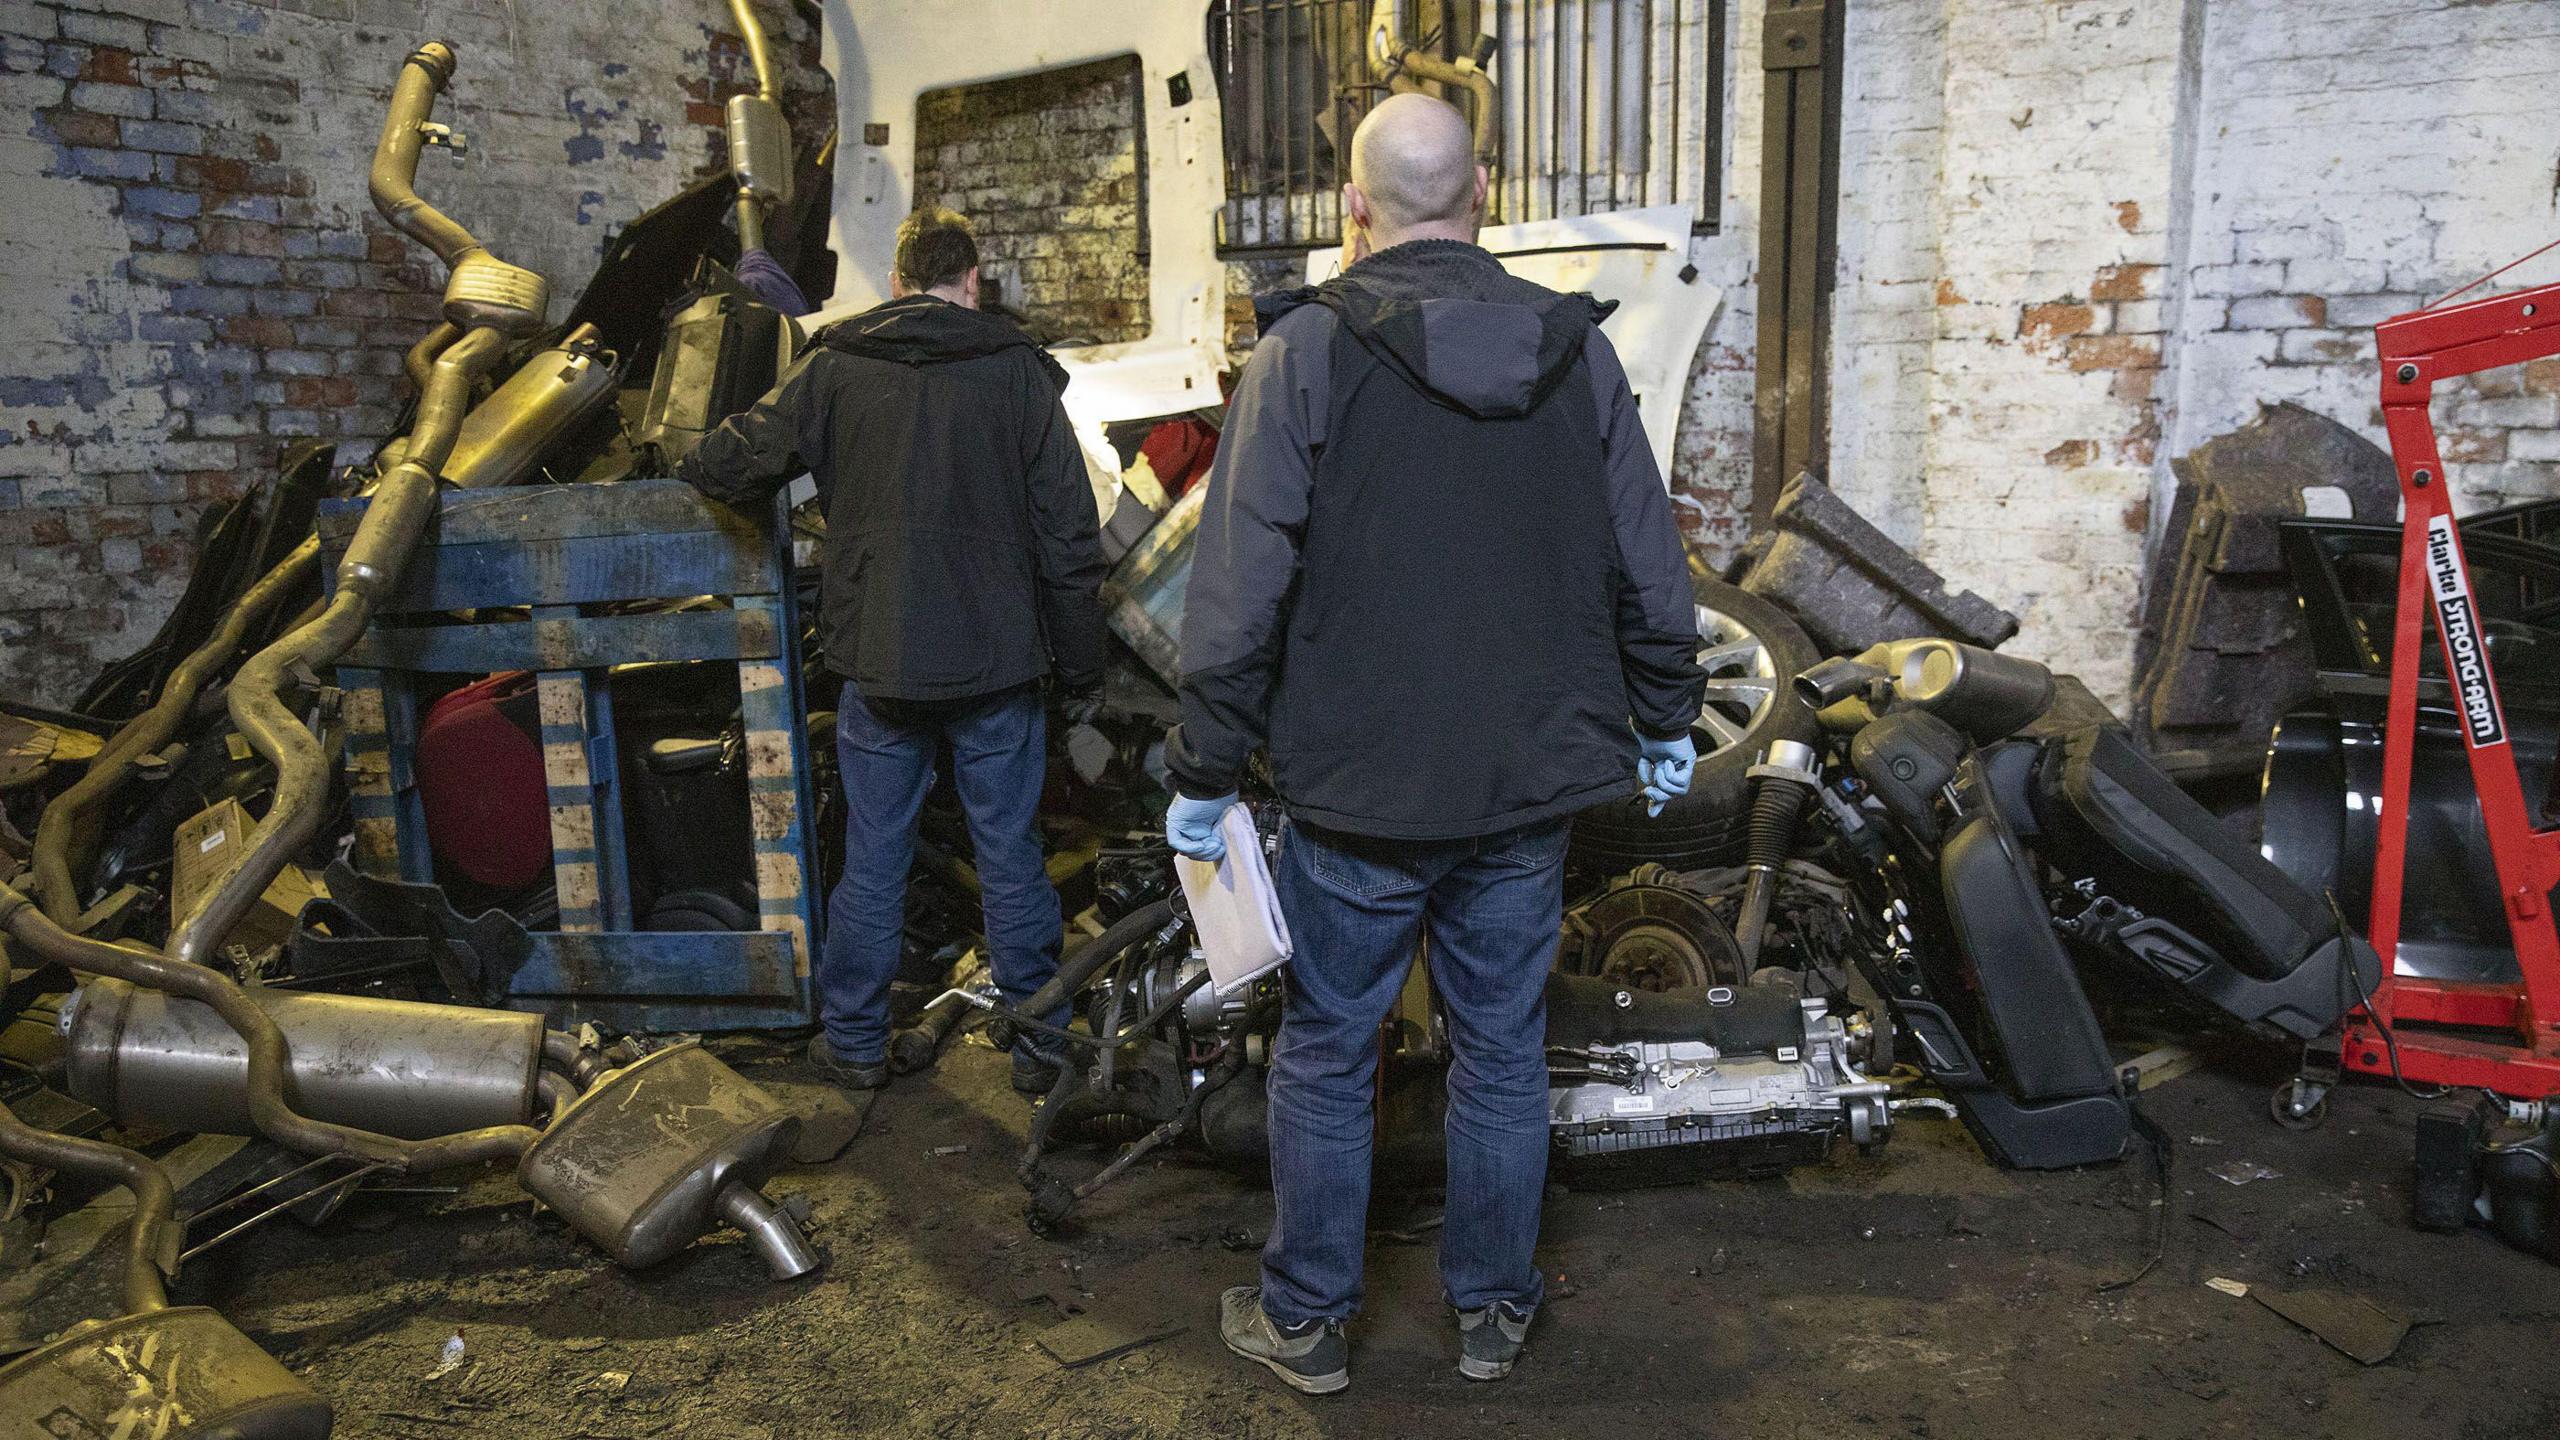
column 393, row 1067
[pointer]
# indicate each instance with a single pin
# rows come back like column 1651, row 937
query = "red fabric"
column 1180, row 452
column 480, row 779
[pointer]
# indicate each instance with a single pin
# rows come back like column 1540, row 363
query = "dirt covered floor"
column 1917, row 1293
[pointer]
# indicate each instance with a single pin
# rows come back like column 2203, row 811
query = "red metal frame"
column 2516, row 1050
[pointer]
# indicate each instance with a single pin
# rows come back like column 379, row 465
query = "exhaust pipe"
column 1390, row 56
column 759, row 140
column 264, row 1093
column 67, row 835
column 489, row 301
column 155, row 1202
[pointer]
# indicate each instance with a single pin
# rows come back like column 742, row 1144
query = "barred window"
column 1598, row 105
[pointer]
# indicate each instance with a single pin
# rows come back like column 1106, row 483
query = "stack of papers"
column 1235, row 907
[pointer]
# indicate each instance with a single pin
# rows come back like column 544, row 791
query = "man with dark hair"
column 936, row 251
column 1436, row 576
column 963, row 566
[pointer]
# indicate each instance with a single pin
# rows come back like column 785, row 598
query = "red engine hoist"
column 2495, row 1035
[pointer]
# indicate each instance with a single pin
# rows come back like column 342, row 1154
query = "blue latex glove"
column 1663, row 768
column 1191, row 827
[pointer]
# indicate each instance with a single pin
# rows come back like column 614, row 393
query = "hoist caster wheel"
column 2286, row 1108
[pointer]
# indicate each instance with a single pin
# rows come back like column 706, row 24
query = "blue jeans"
column 1356, row 907
column 999, row 754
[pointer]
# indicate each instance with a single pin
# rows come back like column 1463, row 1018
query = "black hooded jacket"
column 963, row 554
column 1436, row 572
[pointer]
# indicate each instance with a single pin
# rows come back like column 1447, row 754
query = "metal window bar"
column 1605, row 105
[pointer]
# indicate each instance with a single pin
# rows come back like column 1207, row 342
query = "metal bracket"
column 1792, row 39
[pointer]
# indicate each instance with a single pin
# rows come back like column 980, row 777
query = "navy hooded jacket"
column 1436, row 573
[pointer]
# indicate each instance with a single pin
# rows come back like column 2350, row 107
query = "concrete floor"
column 1917, row 1293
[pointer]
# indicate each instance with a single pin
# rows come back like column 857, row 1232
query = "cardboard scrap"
column 1087, row 1338
column 2351, row 1325
column 208, row 846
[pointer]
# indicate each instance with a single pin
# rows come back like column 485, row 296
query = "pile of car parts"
column 642, row 1156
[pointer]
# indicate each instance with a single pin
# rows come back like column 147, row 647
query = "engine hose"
column 1777, row 805
column 1144, row 1025
column 1144, row 924
column 269, row 1111
column 154, row 1199
column 67, row 836
column 1078, row 969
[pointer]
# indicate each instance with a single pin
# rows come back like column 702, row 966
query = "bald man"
column 1437, row 579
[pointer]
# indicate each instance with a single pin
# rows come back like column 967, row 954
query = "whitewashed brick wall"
column 2079, row 237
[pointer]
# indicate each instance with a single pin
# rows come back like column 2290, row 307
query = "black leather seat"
column 2174, row 890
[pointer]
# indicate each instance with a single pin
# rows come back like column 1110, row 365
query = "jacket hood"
column 1448, row 317
column 929, row 330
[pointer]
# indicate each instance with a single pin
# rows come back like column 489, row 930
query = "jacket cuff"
column 1191, row 789
column 1663, row 732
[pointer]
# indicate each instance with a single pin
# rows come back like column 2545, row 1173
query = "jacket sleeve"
column 1657, row 605
column 1244, row 558
column 1066, row 548
column 753, row 454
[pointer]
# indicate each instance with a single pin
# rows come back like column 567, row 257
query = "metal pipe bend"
column 155, row 1200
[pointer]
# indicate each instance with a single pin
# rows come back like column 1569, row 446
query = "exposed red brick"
column 164, row 73
column 2112, row 352
column 1948, row 294
column 2071, row 454
column 109, row 65
column 2129, row 215
column 266, row 331
column 703, row 112
column 207, row 172
column 319, row 390
column 2473, row 446
column 384, row 248
column 241, row 237
column 2315, row 310
column 2137, row 385
column 2124, row 282
column 80, row 127
column 2542, row 377
column 2055, row 320
column 2137, row 516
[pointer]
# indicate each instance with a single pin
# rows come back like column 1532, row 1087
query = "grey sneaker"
column 1490, row 1341
column 1314, row 1358
column 847, row 1074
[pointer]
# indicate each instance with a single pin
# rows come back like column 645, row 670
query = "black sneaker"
column 1490, row 1341
column 1032, row 1075
column 1313, row 1358
column 847, row 1074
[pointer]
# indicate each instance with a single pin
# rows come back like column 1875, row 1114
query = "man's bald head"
column 1413, row 163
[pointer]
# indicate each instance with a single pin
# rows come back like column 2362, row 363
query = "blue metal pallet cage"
column 559, row 552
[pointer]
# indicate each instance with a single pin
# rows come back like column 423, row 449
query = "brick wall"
column 2365, row 158
column 2079, row 237
column 1046, row 167
column 196, row 277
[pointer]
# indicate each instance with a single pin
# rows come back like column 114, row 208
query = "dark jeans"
column 1355, row 908
column 999, row 754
